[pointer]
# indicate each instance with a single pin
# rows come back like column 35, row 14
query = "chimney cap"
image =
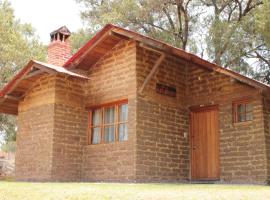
column 63, row 30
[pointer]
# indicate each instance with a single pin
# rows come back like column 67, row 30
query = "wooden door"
column 204, row 144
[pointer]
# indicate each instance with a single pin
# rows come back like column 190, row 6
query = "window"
column 96, row 126
column 242, row 111
column 108, row 123
column 122, row 119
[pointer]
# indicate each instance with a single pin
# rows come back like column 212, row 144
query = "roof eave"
column 42, row 66
column 164, row 47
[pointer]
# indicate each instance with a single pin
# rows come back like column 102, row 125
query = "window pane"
column 95, row 135
column 241, row 118
column 109, row 115
column 241, row 108
column 249, row 116
column 96, row 117
column 123, row 132
column 109, row 133
column 249, row 107
column 123, row 112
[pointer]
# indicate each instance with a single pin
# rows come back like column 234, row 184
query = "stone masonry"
column 113, row 78
column 53, row 123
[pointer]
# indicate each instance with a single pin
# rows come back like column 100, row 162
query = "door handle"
column 194, row 147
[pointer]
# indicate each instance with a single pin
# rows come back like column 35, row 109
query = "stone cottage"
column 129, row 108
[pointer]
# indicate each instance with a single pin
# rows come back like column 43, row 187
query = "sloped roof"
column 110, row 35
column 90, row 53
column 12, row 92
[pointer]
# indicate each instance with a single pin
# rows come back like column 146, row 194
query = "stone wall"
column 111, row 79
column 242, row 145
column 52, row 124
column 266, row 109
column 162, row 121
column 70, row 128
column 53, row 119
column 162, row 151
column 35, row 132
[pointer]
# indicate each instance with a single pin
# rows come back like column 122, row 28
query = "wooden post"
column 152, row 72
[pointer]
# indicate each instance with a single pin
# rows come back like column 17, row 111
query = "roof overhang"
column 94, row 49
column 23, row 81
column 106, row 39
column 110, row 35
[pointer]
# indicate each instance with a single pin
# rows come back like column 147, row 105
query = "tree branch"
column 169, row 18
column 262, row 58
column 249, row 7
column 186, row 27
column 246, row 53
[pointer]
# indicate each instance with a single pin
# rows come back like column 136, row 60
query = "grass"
column 117, row 191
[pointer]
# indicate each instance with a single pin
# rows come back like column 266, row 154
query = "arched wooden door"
column 204, row 143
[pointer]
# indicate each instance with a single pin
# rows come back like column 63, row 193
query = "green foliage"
column 260, row 41
column 263, row 22
column 9, row 146
column 8, row 133
column 18, row 44
column 169, row 21
column 79, row 38
column 233, row 34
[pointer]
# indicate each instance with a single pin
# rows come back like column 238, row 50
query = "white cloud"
column 48, row 15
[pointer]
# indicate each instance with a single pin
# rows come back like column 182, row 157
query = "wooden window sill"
column 246, row 123
column 110, row 143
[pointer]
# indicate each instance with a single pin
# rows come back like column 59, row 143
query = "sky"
column 48, row 15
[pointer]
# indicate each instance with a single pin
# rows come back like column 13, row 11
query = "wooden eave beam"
column 103, row 37
column 120, row 36
column 152, row 72
column 18, row 81
column 123, row 34
column 9, row 108
column 188, row 57
column 31, row 74
column 154, row 44
column 28, row 74
column 12, row 97
column 249, row 82
column 45, row 69
column 150, row 48
column 9, row 111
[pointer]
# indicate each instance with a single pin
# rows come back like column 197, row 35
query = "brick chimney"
column 59, row 49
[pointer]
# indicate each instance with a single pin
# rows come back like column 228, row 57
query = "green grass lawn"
column 109, row 191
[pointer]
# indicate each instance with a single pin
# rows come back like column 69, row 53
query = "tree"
column 227, row 34
column 8, row 132
column 238, row 36
column 262, row 42
column 231, row 33
column 263, row 22
column 18, row 44
column 169, row 20
column 79, row 38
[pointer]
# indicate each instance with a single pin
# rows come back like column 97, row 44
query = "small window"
column 243, row 111
column 109, row 123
